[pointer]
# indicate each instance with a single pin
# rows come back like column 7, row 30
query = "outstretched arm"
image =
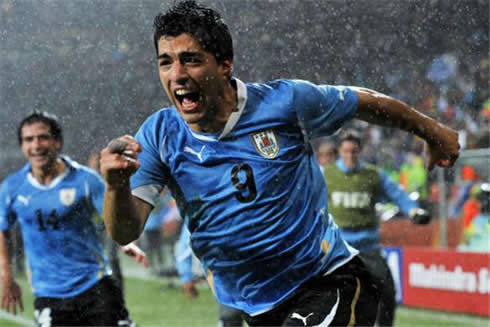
column 124, row 215
column 442, row 141
column 396, row 194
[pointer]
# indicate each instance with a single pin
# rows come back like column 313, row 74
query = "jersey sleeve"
column 323, row 109
column 393, row 192
column 152, row 175
column 7, row 217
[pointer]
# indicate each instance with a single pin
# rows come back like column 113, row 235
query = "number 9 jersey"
column 58, row 228
column 253, row 196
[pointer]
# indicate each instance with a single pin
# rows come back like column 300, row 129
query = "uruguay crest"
column 67, row 196
column 266, row 143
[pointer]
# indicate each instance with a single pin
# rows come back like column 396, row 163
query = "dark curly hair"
column 42, row 117
column 202, row 23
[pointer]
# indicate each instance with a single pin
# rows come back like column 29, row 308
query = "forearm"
column 383, row 110
column 122, row 217
column 5, row 267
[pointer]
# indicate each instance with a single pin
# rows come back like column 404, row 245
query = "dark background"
column 92, row 63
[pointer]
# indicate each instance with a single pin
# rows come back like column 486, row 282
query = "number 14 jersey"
column 253, row 196
column 58, row 228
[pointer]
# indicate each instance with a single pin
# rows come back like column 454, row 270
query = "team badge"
column 67, row 196
column 266, row 143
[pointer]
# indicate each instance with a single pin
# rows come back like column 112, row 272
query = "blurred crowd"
column 92, row 62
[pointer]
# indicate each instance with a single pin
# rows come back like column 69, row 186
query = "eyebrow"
column 26, row 137
column 184, row 54
column 163, row 56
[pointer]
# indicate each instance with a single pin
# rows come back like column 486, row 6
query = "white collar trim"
column 235, row 115
column 51, row 185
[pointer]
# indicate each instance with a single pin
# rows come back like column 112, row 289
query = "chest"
column 351, row 190
column 50, row 209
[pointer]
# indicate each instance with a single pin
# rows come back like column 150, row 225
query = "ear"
column 226, row 68
column 59, row 145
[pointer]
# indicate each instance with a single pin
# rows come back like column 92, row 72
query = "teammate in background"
column 228, row 317
column 325, row 151
column 53, row 199
column 237, row 160
column 354, row 188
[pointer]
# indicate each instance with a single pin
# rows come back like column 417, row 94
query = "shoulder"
column 83, row 171
column 371, row 169
column 15, row 180
column 163, row 121
column 283, row 93
column 280, row 85
column 331, row 168
column 161, row 118
column 373, row 173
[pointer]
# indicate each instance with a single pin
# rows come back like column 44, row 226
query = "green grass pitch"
column 158, row 302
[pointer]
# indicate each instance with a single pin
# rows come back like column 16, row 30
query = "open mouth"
column 188, row 99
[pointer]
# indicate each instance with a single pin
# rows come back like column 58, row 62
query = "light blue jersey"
column 253, row 196
column 58, row 228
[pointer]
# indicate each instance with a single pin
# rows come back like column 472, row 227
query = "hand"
column 118, row 163
column 190, row 290
column 420, row 216
column 11, row 297
column 444, row 150
column 133, row 251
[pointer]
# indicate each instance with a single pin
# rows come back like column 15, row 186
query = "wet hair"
column 320, row 142
column 202, row 23
column 350, row 135
column 45, row 118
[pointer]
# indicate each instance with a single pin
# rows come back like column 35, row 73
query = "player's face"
column 39, row 146
column 325, row 154
column 350, row 152
column 193, row 79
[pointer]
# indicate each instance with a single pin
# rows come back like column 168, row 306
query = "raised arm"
column 124, row 215
column 442, row 141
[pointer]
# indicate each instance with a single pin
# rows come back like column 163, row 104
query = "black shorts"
column 346, row 297
column 100, row 305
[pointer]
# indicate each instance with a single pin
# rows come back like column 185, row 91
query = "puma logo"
column 23, row 199
column 194, row 152
column 328, row 318
column 296, row 315
column 341, row 95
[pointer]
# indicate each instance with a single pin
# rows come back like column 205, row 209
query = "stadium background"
column 93, row 64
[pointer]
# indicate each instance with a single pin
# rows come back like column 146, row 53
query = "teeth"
column 182, row 92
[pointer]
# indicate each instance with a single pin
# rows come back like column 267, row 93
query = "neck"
column 354, row 167
column 216, row 122
column 47, row 174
